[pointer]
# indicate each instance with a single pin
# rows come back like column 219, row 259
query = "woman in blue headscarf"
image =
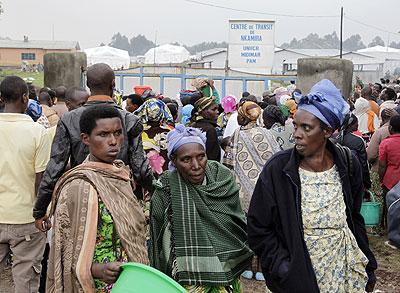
column 186, row 114
column 157, row 122
column 198, row 228
column 304, row 219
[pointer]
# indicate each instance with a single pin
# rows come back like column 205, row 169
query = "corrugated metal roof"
column 37, row 44
column 317, row 52
column 211, row 52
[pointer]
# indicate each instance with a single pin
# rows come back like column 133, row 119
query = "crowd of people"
column 202, row 188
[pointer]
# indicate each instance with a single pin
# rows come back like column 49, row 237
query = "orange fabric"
column 371, row 127
column 100, row 98
column 374, row 107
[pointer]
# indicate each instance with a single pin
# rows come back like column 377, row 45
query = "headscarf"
column 34, row 109
column 180, row 136
column 361, row 106
column 186, row 114
column 229, row 104
column 326, row 103
column 274, row 113
column 349, row 120
column 279, row 92
column 201, row 105
column 291, row 105
column 297, row 96
column 283, row 99
column 154, row 110
column 249, row 110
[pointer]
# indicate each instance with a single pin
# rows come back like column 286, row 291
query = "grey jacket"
column 68, row 147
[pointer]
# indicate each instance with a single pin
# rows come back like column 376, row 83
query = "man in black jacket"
column 68, row 147
column 276, row 226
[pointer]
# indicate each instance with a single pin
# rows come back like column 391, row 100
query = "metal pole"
column 155, row 47
column 341, row 32
column 387, row 44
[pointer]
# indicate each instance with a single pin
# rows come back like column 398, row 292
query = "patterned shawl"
column 75, row 218
column 199, row 231
column 250, row 149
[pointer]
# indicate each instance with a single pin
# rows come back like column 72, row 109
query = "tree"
column 353, row 43
column 377, row 41
column 395, row 45
column 140, row 45
column 314, row 41
column 205, row 46
column 331, row 41
column 120, row 42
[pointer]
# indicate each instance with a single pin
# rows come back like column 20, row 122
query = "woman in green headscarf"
column 198, row 228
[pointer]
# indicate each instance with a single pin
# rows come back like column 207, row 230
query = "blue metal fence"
column 183, row 77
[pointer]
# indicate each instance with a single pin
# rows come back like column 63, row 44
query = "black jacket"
column 357, row 145
column 68, row 147
column 275, row 228
column 213, row 149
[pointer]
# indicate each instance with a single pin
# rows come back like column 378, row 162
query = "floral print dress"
column 108, row 245
column 338, row 262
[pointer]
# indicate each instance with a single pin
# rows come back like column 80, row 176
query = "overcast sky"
column 94, row 21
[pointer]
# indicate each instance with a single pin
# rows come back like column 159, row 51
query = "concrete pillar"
column 312, row 70
column 63, row 69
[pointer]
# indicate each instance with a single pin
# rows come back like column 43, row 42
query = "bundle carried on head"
column 154, row 110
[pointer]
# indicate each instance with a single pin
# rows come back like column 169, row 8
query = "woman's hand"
column 107, row 272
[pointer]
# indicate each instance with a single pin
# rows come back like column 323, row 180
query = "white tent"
column 116, row 58
column 379, row 49
column 166, row 54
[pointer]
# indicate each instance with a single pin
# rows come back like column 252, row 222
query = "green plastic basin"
column 139, row 278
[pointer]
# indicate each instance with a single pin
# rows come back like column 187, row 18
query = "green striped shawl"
column 199, row 231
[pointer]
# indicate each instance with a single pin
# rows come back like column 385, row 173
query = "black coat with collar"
column 275, row 228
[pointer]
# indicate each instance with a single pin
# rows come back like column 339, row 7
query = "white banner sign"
column 251, row 44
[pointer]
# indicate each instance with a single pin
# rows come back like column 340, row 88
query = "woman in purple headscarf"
column 198, row 228
column 304, row 219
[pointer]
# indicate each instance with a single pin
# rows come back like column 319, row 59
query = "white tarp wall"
column 116, row 58
column 166, row 54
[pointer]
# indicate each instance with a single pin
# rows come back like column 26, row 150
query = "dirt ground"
column 388, row 273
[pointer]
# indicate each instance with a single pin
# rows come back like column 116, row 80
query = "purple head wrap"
column 326, row 103
column 180, row 136
column 229, row 104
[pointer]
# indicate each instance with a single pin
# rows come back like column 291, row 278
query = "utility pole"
column 387, row 44
column 155, row 47
column 52, row 32
column 341, row 32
